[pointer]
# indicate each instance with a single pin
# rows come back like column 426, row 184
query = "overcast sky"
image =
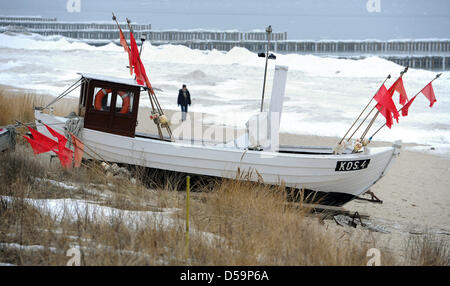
column 302, row 19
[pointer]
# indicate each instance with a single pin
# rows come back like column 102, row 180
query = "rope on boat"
column 22, row 125
column 66, row 92
column 73, row 125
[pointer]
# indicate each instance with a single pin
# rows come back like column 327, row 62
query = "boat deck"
column 320, row 150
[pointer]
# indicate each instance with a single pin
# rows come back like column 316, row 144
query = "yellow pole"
column 188, row 179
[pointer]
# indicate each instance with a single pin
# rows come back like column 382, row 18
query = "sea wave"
column 323, row 95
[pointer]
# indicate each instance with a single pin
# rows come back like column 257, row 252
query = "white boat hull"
column 309, row 171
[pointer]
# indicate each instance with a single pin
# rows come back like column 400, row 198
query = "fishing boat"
column 110, row 132
column 106, row 123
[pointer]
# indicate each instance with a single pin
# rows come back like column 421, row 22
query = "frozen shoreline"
column 323, row 95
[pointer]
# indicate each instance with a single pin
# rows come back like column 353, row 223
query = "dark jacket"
column 184, row 100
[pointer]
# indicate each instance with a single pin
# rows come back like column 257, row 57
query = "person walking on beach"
column 184, row 99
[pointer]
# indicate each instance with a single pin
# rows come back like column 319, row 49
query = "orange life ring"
column 125, row 102
column 99, row 97
column 103, row 92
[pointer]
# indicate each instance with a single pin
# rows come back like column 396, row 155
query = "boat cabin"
column 109, row 104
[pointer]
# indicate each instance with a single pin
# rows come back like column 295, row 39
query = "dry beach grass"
column 237, row 223
column 118, row 220
column 19, row 105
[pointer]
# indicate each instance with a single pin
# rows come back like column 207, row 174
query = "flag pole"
column 378, row 112
column 376, row 115
column 149, row 91
column 388, row 77
column 152, row 97
column 437, row 76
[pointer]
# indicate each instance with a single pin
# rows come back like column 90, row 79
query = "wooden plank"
column 329, row 209
column 5, row 140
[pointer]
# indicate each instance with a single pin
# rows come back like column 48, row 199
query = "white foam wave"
column 323, row 95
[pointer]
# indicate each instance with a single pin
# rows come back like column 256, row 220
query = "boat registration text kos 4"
column 351, row 165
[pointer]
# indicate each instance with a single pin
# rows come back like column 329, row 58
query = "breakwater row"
column 431, row 54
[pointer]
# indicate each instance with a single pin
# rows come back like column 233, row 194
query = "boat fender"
column 340, row 147
column 163, row 120
column 155, row 118
column 358, row 146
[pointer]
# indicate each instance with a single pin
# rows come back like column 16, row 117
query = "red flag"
column 429, row 93
column 47, row 143
column 398, row 86
column 124, row 44
column 65, row 157
column 386, row 106
column 38, row 148
column 135, row 59
column 407, row 105
column 147, row 82
column 139, row 69
column 62, row 140
column 78, row 150
column 41, row 144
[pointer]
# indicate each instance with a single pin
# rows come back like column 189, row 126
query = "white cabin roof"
column 127, row 81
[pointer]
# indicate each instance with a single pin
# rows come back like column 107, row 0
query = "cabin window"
column 102, row 99
column 124, row 102
column 106, row 112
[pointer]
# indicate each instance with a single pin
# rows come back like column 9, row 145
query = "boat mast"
column 153, row 100
column 269, row 32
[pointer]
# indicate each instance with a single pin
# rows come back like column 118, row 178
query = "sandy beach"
column 415, row 192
